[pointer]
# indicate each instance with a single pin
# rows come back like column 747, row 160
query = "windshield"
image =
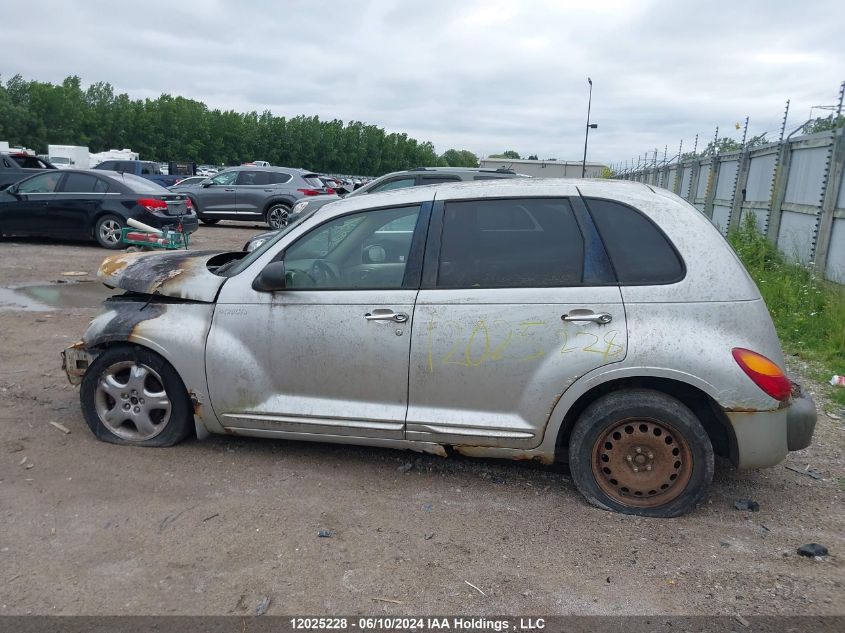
column 244, row 263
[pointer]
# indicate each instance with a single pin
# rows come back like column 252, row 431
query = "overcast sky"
column 484, row 75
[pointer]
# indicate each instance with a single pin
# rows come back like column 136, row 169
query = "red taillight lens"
column 309, row 192
column 152, row 205
column 763, row 372
column 329, row 190
column 188, row 204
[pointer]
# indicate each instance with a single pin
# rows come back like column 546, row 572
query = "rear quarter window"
column 640, row 252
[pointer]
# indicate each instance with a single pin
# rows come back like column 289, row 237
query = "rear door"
column 252, row 188
column 511, row 312
column 71, row 211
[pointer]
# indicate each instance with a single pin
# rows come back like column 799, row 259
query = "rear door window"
column 640, row 252
column 252, row 178
column 79, row 183
column 513, row 243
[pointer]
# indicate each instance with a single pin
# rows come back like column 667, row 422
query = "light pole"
column 587, row 135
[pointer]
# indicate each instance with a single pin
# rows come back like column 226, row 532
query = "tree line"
column 35, row 114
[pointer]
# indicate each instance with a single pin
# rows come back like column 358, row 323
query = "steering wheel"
column 322, row 273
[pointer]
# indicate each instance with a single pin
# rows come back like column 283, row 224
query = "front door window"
column 362, row 250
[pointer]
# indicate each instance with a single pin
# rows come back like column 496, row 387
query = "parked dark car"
column 11, row 170
column 143, row 168
column 85, row 204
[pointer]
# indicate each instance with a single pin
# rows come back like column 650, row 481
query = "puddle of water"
column 47, row 297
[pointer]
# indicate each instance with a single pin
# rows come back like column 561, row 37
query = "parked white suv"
column 599, row 322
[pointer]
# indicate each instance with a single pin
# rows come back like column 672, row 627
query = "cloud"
column 480, row 75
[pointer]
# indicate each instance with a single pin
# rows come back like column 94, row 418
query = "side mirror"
column 12, row 189
column 270, row 279
column 206, row 183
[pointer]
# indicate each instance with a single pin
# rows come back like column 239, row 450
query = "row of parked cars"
column 96, row 204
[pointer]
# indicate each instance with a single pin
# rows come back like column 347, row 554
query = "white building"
column 545, row 168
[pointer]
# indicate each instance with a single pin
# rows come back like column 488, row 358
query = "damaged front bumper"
column 76, row 361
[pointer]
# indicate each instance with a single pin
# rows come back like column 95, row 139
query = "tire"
column 166, row 420
column 107, row 231
column 642, row 452
column 277, row 215
column 209, row 221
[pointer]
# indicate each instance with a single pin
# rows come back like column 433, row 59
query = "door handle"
column 396, row 317
column 230, row 190
column 601, row 317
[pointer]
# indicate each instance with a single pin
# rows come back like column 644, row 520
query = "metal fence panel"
column 761, row 172
column 703, row 177
column 727, row 179
column 670, row 178
column 761, row 218
column 840, row 200
column 835, row 268
column 685, row 181
column 806, row 176
column 797, row 235
column 721, row 215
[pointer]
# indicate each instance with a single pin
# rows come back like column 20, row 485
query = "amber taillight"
column 764, row 373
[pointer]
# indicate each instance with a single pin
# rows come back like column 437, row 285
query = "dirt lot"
column 214, row 527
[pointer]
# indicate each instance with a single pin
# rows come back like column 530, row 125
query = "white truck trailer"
column 69, row 156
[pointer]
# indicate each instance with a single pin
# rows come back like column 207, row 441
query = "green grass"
column 808, row 312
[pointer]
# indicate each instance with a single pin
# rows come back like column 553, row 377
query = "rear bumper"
column 800, row 420
column 763, row 438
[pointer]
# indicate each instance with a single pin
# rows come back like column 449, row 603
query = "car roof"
column 498, row 188
column 284, row 170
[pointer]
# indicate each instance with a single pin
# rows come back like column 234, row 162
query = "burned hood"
column 177, row 274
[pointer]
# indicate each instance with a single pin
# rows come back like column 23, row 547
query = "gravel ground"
column 215, row 527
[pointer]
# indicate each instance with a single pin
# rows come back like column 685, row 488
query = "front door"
column 218, row 198
column 28, row 214
column 329, row 354
column 518, row 305
column 252, row 188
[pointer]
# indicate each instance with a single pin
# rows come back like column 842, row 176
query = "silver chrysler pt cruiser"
column 603, row 323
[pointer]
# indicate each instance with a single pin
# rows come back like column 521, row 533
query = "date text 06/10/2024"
column 418, row 624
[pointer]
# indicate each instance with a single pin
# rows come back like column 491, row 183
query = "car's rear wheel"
column 131, row 395
column 107, row 231
column 277, row 216
column 641, row 452
column 209, row 221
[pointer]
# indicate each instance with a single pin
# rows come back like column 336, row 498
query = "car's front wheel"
column 107, row 231
column 131, row 395
column 639, row 451
column 277, row 216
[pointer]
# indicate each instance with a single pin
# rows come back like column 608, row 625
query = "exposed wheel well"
column 282, row 201
column 712, row 418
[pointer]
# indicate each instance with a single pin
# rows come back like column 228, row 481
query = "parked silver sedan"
column 598, row 322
